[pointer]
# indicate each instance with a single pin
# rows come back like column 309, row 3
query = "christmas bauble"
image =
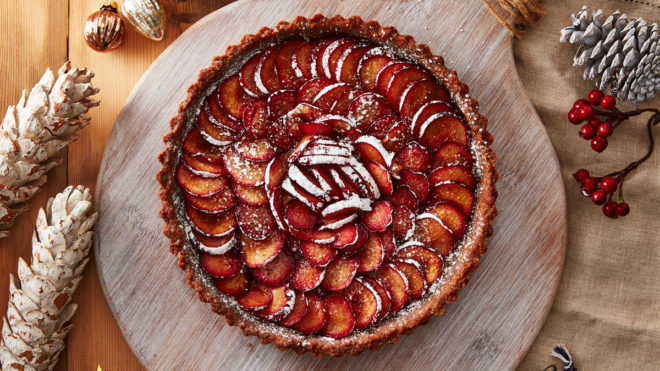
column 147, row 16
column 104, row 29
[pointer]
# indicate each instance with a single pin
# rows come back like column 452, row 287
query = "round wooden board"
column 496, row 317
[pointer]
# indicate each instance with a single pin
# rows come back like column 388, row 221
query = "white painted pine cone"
column 39, row 307
column 36, row 129
column 619, row 53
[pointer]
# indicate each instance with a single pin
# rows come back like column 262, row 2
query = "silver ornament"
column 146, row 16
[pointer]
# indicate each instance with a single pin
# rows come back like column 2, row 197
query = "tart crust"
column 465, row 258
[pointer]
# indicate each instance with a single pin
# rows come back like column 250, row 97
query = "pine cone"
column 38, row 311
column 37, row 128
column 620, row 53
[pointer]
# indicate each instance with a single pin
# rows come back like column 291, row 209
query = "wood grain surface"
column 496, row 317
column 36, row 34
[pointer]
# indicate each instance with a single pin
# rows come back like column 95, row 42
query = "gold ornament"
column 104, row 29
column 146, row 16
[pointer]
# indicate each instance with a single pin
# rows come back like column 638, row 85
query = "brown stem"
column 654, row 120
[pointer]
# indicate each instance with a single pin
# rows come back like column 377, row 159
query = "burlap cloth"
column 607, row 309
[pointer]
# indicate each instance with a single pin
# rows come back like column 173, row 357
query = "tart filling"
column 328, row 184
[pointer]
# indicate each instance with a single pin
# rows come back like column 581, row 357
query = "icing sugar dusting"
column 220, row 249
column 436, row 218
column 288, row 186
column 297, row 176
column 366, row 176
column 352, row 202
column 379, row 301
column 327, row 89
column 378, row 145
column 325, row 59
column 323, row 160
column 340, row 223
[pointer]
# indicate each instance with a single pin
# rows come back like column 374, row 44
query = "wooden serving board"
column 496, row 317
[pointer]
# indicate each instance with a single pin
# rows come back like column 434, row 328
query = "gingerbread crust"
column 467, row 256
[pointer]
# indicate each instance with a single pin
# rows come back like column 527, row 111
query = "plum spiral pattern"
column 325, row 182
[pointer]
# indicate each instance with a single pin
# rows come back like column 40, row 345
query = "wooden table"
column 37, row 34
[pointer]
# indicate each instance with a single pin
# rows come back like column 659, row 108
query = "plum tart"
column 328, row 185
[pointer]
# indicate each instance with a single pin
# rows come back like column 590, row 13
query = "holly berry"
column 622, row 209
column 609, row 184
column 587, row 131
column 586, row 112
column 596, row 127
column 609, row 209
column 579, row 103
column 581, row 175
column 599, row 197
column 608, row 102
column 599, row 144
column 574, row 117
column 590, row 185
column 595, row 96
column 594, row 123
column 604, row 129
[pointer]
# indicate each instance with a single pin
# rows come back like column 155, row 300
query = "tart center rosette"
column 325, row 183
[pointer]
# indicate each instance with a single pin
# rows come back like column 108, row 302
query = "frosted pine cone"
column 38, row 311
column 37, row 128
column 620, row 53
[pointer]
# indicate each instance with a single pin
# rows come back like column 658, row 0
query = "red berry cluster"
column 595, row 130
column 601, row 189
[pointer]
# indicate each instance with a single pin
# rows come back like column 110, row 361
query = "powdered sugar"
column 257, row 76
column 300, row 148
column 340, row 183
column 202, row 173
column 296, row 67
column 411, row 231
column 379, row 301
column 328, row 88
column 405, row 279
column 216, row 122
column 220, row 249
column 297, row 176
column 330, row 142
column 425, row 124
column 286, row 309
column 352, row 202
column 340, row 223
column 288, row 186
column 325, row 59
column 409, row 244
column 276, row 216
column 212, row 140
column 318, row 149
column 323, row 160
column 366, row 176
column 414, row 123
column 342, row 58
column 378, row 145
column 349, row 123
column 356, row 179
column 436, row 218
column 366, row 102
column 268, row 177
column 327, row 188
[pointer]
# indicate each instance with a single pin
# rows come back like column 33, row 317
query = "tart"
column 328, row 185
